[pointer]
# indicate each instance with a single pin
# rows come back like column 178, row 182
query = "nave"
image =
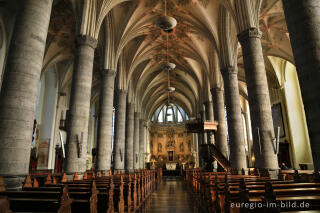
column 171, row 196
column 98, row 97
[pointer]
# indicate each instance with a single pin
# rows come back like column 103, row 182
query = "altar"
column 171, row 166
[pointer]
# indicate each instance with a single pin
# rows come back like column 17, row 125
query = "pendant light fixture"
column 166, row 23
column 169, row 88
column 168, row 66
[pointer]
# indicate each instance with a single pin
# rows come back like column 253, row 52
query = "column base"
column 14, row 183
column 129, row 171
column 70, row 176
column 237, row 171
column 120, row 171
column 271, row 173
column 102, row 171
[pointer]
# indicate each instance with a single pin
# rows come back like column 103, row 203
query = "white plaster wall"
column 297, row 120
column 47, row 120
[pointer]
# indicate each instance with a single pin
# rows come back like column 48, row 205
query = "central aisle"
column 172, row 196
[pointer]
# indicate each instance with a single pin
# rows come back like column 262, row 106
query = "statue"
column 159, row 147
column 181, row 147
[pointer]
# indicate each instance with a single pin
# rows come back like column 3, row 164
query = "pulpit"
column 199, row 126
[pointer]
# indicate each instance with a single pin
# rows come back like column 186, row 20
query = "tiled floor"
column 172, row 197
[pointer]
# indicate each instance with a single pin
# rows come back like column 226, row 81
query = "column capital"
column 137, row 113
column 121, row 92
column 143, row 122
column 107, row 72
column 230, row 70
column 207, row 102
column 249, row 33
column 87, row 40
column 216, row 89
column 130, row 104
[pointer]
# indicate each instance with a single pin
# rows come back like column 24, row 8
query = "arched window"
column 170, row 114
column 160, row 117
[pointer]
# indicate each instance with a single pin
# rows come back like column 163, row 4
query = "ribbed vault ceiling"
column 131, row 44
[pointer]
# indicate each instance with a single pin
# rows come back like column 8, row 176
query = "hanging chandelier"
column 169, row 88
column 166, row 23
column 167, row 65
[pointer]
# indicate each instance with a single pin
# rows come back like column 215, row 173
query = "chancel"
column 159, row 106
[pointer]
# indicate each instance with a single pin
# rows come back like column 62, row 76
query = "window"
column 173, row 113
column 160, row 117
column 180, row 119
column 170, row 114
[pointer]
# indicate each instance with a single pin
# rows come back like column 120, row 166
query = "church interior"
column 116, row 106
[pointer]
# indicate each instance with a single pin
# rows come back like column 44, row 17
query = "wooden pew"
column 212, row 188
column 4, row 205
column 273, row 194
column 39, row 201
column 118, row 193
column 80, row 191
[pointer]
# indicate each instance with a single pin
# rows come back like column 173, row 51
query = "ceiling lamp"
column 168, row 66
column 166, row 23
column 170, row 89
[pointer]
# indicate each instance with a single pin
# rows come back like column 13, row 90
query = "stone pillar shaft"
column 259, row 100
column 120, row 126
column 136, row 144
column 129, row 136
column 105, row 120
column 20, row 86
column 236, row 136
column 203, row 135
column 209, row 111
column 219, row 113
column 196, row 148
column 142, row 137
column 78, row 121
column 210, row 117
column 303, row 21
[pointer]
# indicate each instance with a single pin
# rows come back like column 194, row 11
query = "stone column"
column 120, row 126
column 235, row 128
column 303, row 21
column 200, row 141
column 129, row 137
column 104, row 145
column 136, row 144
column 259, row 100
column 196, row 148
column 20, row 89
column 203, row 135
column 220, row 115
column 210, row 117
column 142, row 137
column 209, row 111
column 78, row 120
